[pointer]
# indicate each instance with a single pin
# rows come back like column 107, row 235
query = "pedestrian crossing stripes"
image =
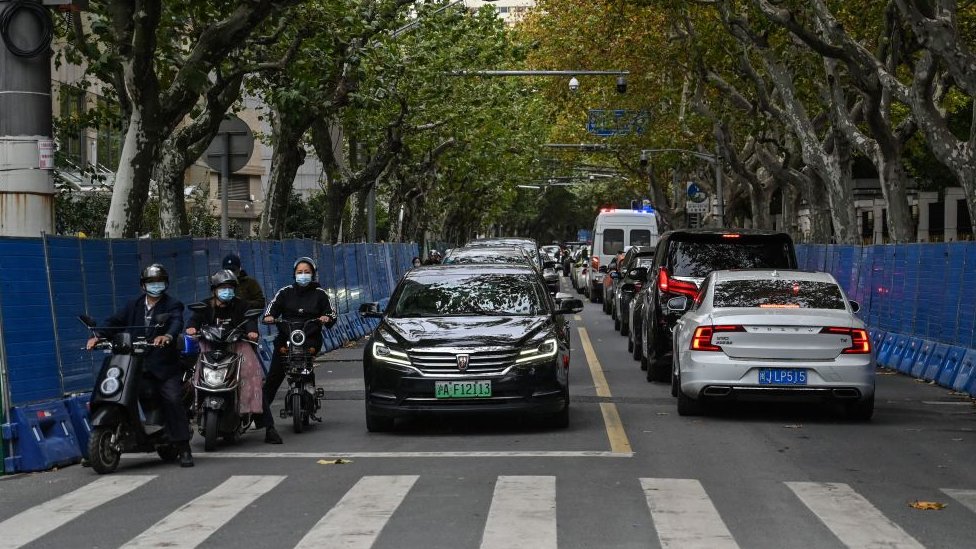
column 522, row 513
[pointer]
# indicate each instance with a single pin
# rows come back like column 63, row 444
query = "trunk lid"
column 781, row 334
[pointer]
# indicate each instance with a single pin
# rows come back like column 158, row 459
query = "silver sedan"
column 766, row 334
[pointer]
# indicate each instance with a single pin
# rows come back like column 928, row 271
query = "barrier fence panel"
column 67, row 282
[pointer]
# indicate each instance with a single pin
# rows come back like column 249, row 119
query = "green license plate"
column 462, row 389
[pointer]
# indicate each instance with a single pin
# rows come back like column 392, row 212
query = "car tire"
column 861, row 410
column 630, row 345
column 624, row 329
column 637, row 354
column 675, row 379
column 616, row 323
column 378, row 424
column 560, row 420
column 688, row 406
column 592, row 295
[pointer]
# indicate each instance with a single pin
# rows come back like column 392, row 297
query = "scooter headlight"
column 298, row 338
column 213, row 377
column 110, row 385
column 114, row 372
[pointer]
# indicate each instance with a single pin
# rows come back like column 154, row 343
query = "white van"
column 615, row 231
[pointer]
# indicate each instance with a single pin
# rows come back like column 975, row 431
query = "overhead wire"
column 42, row 16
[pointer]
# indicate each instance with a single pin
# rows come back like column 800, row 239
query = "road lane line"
column 851, row 517
column 965, row 497
column 359, row 517
column 395, row 455
column 611, row 418
column 577, row 318
column 33, row 523
column 522, row 513
column 193, row 523
column 596, row 370
column 684, row 516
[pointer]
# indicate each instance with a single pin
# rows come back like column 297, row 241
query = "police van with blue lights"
column 614, row 231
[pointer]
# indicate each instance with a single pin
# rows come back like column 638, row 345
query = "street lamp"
column 573, row 84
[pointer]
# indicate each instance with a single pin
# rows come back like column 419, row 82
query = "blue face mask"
column 303, row 279
column 225, row 294
column 155, row 289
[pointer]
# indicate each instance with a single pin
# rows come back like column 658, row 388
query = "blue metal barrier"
column 922, row 360
column 80, row 419
column 913, row 346
column 936, row 361
column 42, row 437
column 947, row 377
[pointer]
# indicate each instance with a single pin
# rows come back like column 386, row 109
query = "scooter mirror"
column 253, row 313
column 87, row 321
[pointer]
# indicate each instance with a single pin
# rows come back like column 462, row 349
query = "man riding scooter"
column 162, row 362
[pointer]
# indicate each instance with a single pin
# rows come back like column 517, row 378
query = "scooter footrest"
column 152, row 429
column 283, row 413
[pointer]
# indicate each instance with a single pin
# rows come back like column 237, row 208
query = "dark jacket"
column 162, row 362
column 249, row 291
column 233, row 311
column 300, row 303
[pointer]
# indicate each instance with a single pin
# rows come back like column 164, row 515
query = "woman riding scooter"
column 302, row 300
column 226, row 306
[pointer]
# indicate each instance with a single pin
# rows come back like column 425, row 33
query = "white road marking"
column 193, row 523
column 851, row 517
column 37, row 521
column 684, row 515
column 522, row 513
column 364, row 455
column 359, row 517
column 965, row 497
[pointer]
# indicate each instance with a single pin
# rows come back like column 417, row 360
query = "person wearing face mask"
column 225, row 305
column 164, row 371
column 302, row 300
column 417, row 262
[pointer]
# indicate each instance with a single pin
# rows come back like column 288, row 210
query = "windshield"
column 471, row 295
column 699, row 257
column 778, row 294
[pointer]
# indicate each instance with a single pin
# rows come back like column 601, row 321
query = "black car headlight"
column 538, row 352
column 383, row 353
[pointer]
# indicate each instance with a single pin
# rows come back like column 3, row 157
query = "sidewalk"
column 351, row 352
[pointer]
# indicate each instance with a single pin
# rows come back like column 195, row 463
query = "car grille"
column 443, row 361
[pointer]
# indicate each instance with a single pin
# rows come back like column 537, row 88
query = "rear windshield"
column 640, row 237
column 778, row 294
column 613, row 241
column 697, row 258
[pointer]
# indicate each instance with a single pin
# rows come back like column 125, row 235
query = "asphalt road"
column 628, row 472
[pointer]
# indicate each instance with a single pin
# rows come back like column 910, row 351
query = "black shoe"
column 271, row 436
column 186, row 458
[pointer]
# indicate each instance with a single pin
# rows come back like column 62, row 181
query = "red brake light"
column 731, row 235
column 860, row 342
column 702, row 340
column 674, row 286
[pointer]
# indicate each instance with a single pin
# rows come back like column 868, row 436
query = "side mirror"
column 678, row 304
column 197, row 307
column 87, row 321
column 561, row 296
column 638, row 273
column 569, row 306
column 855, row 306
column 602, row 269
column 614, row 275
column 253, row 313
column 370, row 310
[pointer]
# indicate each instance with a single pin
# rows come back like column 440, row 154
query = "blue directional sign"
column 607, row 123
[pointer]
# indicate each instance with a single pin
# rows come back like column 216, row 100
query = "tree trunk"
column 169, row 175
column 335, row 205
column 288, row 156
column 131, row 190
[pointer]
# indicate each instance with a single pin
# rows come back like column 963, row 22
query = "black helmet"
column 154, row 273
column 223, row 277
column 231, row 262
column 305, row 259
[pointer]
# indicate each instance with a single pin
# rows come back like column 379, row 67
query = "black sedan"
column 472, row 339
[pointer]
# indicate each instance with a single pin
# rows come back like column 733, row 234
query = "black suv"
column 628, row 280
column 682, row 261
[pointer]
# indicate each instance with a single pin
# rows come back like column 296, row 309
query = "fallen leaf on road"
column 794, row 426
column 927, row 505
column 886, row 372
column 918, row 380
column 339, row 461
column 663, row 414
column 957, row 440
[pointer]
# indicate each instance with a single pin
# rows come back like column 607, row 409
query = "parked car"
column 615, row 231
column 530, row 246
column 629, row 280
column 579, row 269
column 491, row 255
column 469, row 339
column 549, row 273
column 682, row 260
column 607, row 294
column 771, row 334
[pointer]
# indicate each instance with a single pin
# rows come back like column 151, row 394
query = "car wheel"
column 637, row 354
column 624, row 328
column 688, row 406
column 616, row 323
column 630, row 345
column 592, row 295
column 560, row 420
column 861, row 410
column 378, row 424
column 675, row 379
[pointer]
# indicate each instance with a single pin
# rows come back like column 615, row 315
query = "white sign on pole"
column 696, row 207
column 45, row 154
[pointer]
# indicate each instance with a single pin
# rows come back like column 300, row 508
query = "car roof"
column 520, row 239
column 489, row 250
column 470, row 269
column 772, row 274
column 719, row 231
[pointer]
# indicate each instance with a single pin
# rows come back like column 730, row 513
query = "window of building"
column 109, row 135
column 239, row 189
column 72, row 133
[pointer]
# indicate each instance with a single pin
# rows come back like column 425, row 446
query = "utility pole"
column 26, row 143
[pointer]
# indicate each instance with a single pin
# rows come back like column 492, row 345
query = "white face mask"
column 155, row 289
column 303, row 279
